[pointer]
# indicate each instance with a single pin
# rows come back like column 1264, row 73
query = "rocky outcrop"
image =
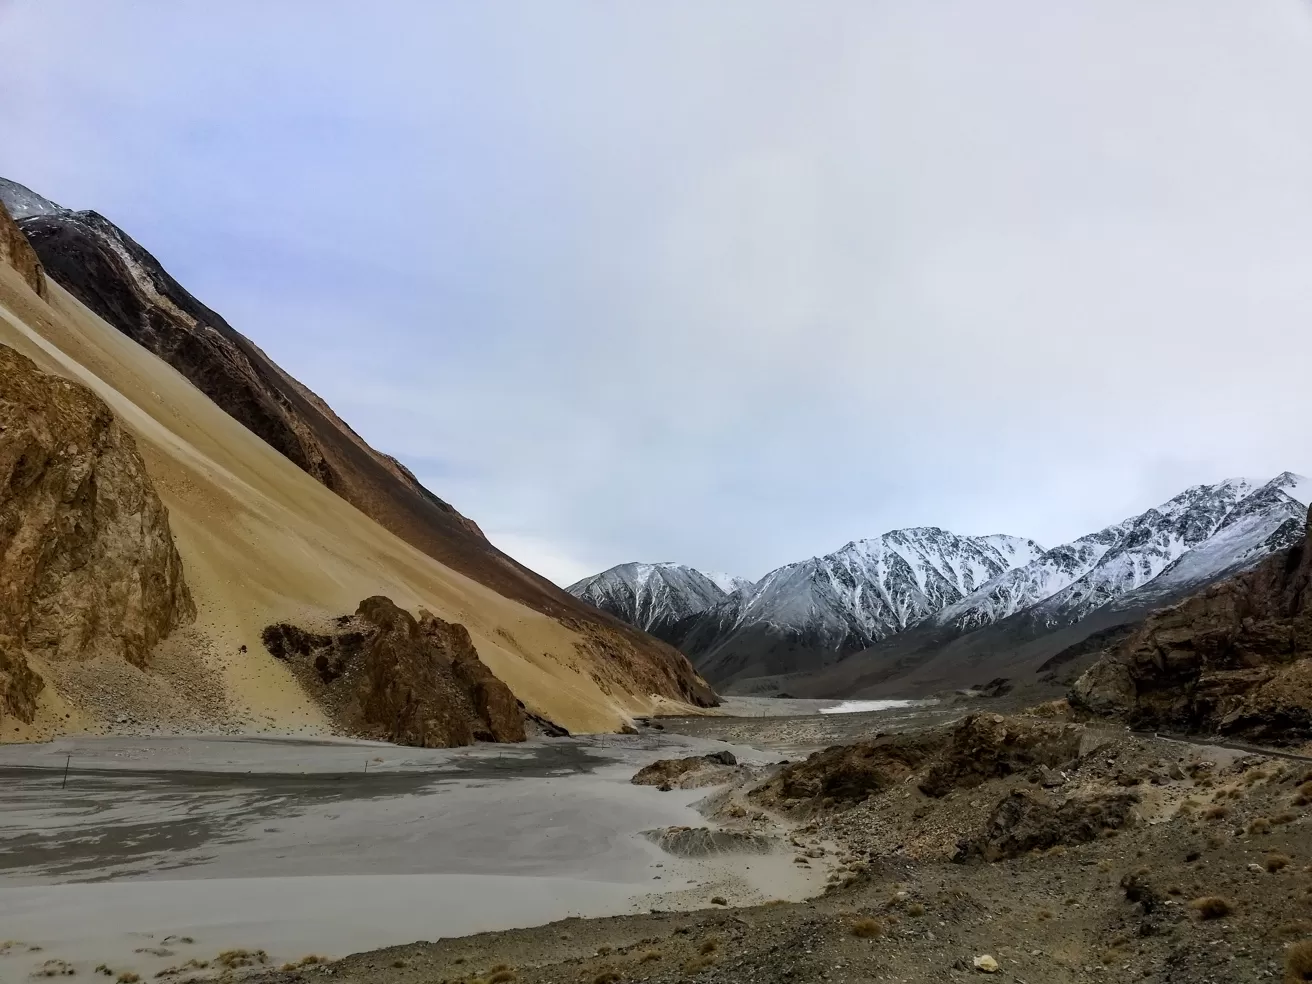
column 1025, row 821
column 126, row 286
column 17, row 252
column 1234, row 659
column 88, row 567
column 990, row 746
column 687, row 773
column 382, row 673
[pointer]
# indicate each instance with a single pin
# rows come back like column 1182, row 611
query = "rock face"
column 686, row 773
column 383, row 673
column 17, row 252
column 1025, row 821
column 1234, row 659
column 126, row 286
column 88, row 567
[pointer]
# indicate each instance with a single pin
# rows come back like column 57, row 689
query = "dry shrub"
column 1042, row 914
column 502, row 976
column 719, row 900
column 1286, row 931
column 1211, row 907
column 1298, row 962
column 100, row 969
column 709, row 945
column 697, row 964
column 867, row 928
column 1215, row 813
column 231, row 959
column 1260, row 826
column 505, row 966
column 915, row 909
column 127, row 977
column 651, row 956
column 1111, row 956
column 399, row 964
column 1283, row 818
column 607, row 976
column 1274, row 862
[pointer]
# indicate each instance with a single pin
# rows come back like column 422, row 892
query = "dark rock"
column 1024, row 821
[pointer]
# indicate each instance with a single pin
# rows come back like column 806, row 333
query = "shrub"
column 1274, row 862
column 1298, row 962
column 867, row 928
column 709, row 945
column 502, row 976
column 915, row 909
column 1216, row 813
column 651, row 956
column 697, row 964
column 127, row 977
column 1260, row 826
column 1211, row 907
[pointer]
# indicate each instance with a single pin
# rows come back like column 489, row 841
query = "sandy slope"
column 261, row 541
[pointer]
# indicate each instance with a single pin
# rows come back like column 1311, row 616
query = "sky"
column 727, row 284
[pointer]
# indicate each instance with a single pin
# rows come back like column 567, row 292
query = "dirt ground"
column 1114, row 858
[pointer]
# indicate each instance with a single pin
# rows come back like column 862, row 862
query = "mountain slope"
column 263, row 542
column 122, row 284
column 810, row 612
column 1017, row 622
column 657, row 598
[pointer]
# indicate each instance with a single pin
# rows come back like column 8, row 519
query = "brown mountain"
column 99, row 279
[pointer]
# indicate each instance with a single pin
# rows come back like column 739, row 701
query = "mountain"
column 657, row 598
column 806, row 613
column 279, row 511
column 729, row 583
column 1025, row 617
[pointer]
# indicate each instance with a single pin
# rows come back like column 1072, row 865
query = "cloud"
column 729, row 284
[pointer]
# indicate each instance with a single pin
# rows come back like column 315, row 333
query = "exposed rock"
column 88, row 567
column 126, row 286
column 383, row 673
column 847, row 774
column 17, row 252
column 1024, row 821
column 1234, row 659
column 702, row 842
column 687, row 773
column 989, row 746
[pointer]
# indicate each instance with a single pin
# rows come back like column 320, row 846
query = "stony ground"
column 1205, row 877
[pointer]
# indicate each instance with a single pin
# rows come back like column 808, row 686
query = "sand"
column 261, row 541
column 296, row 846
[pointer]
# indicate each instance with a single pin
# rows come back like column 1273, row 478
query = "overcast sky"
column 726, row 283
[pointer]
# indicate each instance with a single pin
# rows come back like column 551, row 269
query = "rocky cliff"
column 382, row 673
column 127, row 287
column 88, row 567
column 1234, row 659
column 17, row 252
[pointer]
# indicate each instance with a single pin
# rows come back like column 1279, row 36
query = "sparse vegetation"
column 232, row 959
column 1215, row 813
column 128, row 977
column 709, row 945
column 1211, row 907
column 915, row 909
column 1298, row 962
column 607, row 976
column 867, row 928
column 651, row 956
column 1261, row 825
column 697, row 964
column 1275, row 862
column 502, row 976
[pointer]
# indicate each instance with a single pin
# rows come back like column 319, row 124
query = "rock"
column 702, row 842
column 688, row 773
column 17, row 252
column 384, row 673
column 90, row 569
column 1232, row 659
column 986, row 964
column 1024, row 821
column 984, row 747
column 1050, row 778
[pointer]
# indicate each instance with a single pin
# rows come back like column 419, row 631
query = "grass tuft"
column 867, row 928
column 1211, row 907
column 1298, row 962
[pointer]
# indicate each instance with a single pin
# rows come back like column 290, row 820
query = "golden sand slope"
column 261, row 541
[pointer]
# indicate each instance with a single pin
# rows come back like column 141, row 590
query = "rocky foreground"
column 1017, row 848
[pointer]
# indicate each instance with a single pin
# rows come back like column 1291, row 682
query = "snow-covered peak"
column 22, row 202
column 728, row 583
column 651, row 596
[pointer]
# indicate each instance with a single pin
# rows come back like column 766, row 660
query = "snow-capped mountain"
column 1199, row 535
column 656, row 597
column 729, row 583
column 848, row 599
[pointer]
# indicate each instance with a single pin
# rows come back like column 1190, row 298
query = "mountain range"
column 874, row 615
